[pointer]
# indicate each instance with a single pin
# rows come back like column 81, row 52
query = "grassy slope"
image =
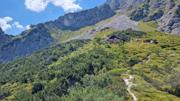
column 161, row 66
column 64, row 36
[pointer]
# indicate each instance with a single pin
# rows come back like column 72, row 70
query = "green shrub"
column 37, row 87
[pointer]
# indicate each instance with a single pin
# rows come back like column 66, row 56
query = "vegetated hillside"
column 95, row 70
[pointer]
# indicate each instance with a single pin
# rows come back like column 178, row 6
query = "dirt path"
column 129, row 82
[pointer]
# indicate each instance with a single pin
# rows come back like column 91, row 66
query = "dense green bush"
column 37, row 87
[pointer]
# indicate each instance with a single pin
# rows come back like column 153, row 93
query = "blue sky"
column 16, row 15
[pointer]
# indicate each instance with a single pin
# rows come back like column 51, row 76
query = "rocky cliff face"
column 165, row 12
column 151, row 10
column 74, row 21
column 170, row 22
column 29, row 42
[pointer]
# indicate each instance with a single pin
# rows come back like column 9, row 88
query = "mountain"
column 163, row 12
column 39, row 36
column 74, row 21
column 118, row 51
column 29, row 42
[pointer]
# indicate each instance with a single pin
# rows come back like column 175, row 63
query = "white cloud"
column 36, row 5
column 28, row 27
column 5, row 23
column 67, row 5
column 8, row 19
column 40, row 5
column 18, row 25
